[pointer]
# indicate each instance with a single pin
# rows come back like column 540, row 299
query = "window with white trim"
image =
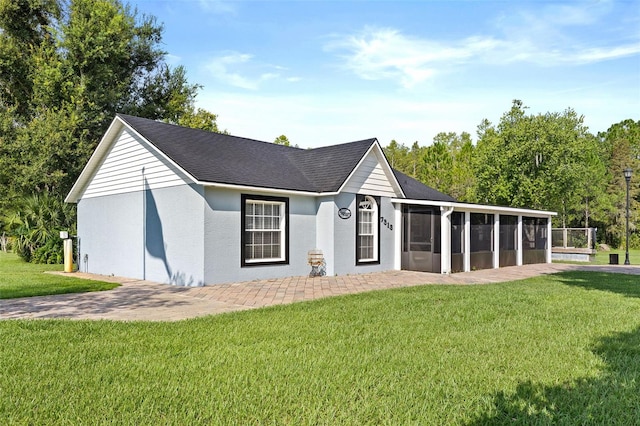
column 264, row 230
column 367, row 238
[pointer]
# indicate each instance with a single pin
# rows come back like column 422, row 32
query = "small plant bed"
column 21, row 279
column 559, row 349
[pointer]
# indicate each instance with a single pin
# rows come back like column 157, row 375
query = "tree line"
column 542, row 161
column 68, row 66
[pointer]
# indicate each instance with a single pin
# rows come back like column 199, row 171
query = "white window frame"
column 370, row 205
column 282, row 229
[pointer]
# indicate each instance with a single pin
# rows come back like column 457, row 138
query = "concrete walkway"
column 149, row 301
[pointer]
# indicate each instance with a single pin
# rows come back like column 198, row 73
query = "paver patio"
column 149, row 301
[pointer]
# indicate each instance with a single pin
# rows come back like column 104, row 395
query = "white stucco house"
column 189, row 207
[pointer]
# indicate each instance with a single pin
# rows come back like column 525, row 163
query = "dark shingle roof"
column 328, row 167
column 218, row 158
column 416, row 190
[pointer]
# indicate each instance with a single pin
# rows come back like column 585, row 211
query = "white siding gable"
column 369, row 178
column 123, row 168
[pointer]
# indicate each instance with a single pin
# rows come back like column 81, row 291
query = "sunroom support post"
column 467, row 242
column 496, row 240
column 445, row 239
column 548, row 247
column 397, row 238
column 519, row 242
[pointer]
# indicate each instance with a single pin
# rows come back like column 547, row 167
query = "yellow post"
column 68, row 255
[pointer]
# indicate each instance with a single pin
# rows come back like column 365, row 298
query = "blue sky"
column 326, row 72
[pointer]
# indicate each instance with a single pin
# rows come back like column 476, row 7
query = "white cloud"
column 218, row 6
column 545, row 38
column 172, row 59
column 313, row 120
column 219, row 68
column 602, row 54
column 386, row 53
column 318, row 120
column 240, row 70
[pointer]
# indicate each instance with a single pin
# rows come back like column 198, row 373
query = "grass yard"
column 560, row 349
column 602, row 257
column 21, row 279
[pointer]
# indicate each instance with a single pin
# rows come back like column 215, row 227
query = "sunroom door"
column 418, row 246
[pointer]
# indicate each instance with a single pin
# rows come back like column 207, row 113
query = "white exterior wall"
column 370, row 179
column 129, row 158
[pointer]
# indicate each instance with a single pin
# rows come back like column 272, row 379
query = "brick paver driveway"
column 145, row 300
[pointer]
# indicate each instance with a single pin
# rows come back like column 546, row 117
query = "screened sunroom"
column 446, row 237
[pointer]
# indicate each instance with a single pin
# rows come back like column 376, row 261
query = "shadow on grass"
column 626, row 285
column 610, row 398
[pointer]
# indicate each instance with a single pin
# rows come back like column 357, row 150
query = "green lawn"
column 560, row 349
column 602, row 257
column 21, row 279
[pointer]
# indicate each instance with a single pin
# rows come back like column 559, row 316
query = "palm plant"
column 35, row 223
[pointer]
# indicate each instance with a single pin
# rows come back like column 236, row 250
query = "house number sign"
column 344, row 213
column 385, row 222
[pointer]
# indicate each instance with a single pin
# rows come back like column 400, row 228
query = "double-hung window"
column 367, row 238
column 265, row 225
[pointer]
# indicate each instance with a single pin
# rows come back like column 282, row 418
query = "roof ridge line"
column 124, row 116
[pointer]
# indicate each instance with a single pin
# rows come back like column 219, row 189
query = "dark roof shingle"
column 219, row 158
column 416, row 190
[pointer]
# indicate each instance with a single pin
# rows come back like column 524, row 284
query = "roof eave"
column 95, row 161
column 267, row 189
column 475, row 207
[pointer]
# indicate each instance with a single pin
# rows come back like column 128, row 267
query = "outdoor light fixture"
column 627, row 177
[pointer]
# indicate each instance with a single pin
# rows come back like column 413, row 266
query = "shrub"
column 35, row 223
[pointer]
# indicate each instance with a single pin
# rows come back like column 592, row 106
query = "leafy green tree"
column 621, row 146
column 398, row 156
column 464, row 180
column 592, row 189
column 545, row 161
column 415, row 156
column 447, row 165
column 81, row 62
column 436, row 167
column 200, row 119
column 167, row 95
column 66, row 68
column 282, row 140
column 25, row 30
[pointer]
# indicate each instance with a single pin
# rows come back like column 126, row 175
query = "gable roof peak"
column 225, row 159
column 222, row 159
